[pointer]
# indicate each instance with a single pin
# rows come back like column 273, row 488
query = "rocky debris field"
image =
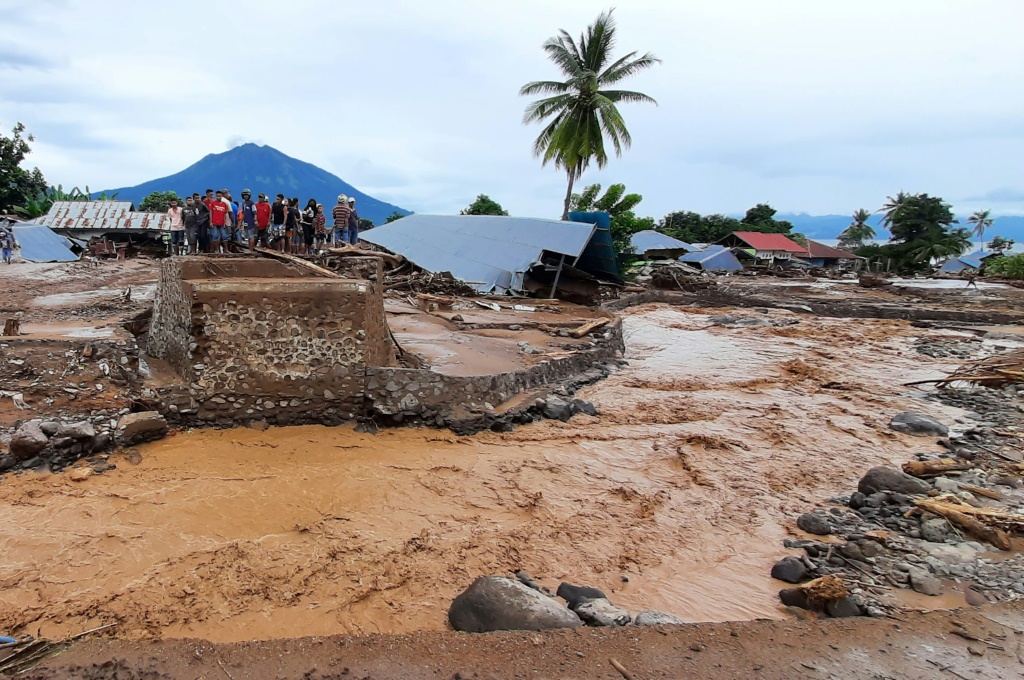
column 920, row 528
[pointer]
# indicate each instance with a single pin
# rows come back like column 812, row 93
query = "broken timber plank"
column 978, row 491
column 588, row 327
column 298, row 261
column 931, row 468
column 996, row 537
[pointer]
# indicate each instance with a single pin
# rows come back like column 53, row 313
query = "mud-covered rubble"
column 883, row 538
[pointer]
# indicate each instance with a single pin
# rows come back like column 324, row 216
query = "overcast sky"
column 819, row 106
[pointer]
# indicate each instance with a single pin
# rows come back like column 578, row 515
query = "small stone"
column 139, row 427
column 974, row 598
column 794, row 597
column 789, row 569
column 883, row 478
column 50, row 428
column 926, row 585
column 28, row 440
column 870, row 548
column 857, row 500
column 814, row 523
column 851, row 551
column 918, row 424
column 602, row 613
column 100, row 441
column 946, row 485
column 654, row 618
column 842, row 609
column 80, row 474
column 935, row 530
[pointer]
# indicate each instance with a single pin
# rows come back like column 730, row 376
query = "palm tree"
column 892, row 207
column 858, row 231
column 582, row 113
column 958, row 241
column 981, row 222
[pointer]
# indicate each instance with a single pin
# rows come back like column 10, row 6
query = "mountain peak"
column 263, row 169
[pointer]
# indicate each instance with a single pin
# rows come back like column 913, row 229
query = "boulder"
column 883, row 478
column 918, row 424
column 28, row 441
column 842, row 609
column 858, row 500
column 583, row 406
column 653, row 618
column 7, row 461
column 789, row 569
column 925, row 584
column 814, row 523
column 601, row 612
column 575, row 595
column 80, row 431
column 140, row 427
column 556, row 408
column 50, row 428
column 498, row 603
column 935, row 530
column 794, row 597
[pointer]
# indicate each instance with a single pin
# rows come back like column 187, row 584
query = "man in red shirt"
column 219, row 231
column 262, row 221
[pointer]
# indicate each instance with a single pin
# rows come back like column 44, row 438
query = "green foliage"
column 691, row 227
column 614, row 202
column 483, row 205
column 365, row 224
column 1010, row 266
column 859, row 231
column 980, row 221
column 921, row 232
column 581, row 112
column 762, row 218
column 159, row 201
column 1000, row 244
column 393, row 217
column 17, row 185
column 34, row 207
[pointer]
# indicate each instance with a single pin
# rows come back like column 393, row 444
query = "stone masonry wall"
column 171, row 326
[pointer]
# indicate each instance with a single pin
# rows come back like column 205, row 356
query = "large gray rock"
column 814, row 523
column 918, row 424
column 653, row 618
column 935, row 530
column 574, row 594
column 883, row 478
column 556, row 408
column 789, row 569
column 140, row 427
column 498, row 603
column 28, row 441
column 601, row 612
column 79, row 431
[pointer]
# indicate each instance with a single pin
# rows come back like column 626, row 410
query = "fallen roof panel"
column 40, row 244
column 649, row 239
column 488, row 252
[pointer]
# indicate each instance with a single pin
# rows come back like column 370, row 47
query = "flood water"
column 677, row 497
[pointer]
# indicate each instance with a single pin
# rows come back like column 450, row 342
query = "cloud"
column 235, row 141
column 1000, row 195
column 18, row 60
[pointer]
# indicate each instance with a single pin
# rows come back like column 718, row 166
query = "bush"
column 1010, row 266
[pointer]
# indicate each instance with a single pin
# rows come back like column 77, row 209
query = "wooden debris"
column 352, row 251
column 299, row 262
column 621, row 669
column 823, row 590
column 12, row 327
column 983, row 523
column 588, row 327
column 932, row 468
column 996, row 371
column 978, row 491
column 546, row 328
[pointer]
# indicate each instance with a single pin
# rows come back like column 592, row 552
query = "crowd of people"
column 215, row 222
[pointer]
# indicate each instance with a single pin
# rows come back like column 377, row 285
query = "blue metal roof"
column 653, row 240
column 714, row 258
column 40, row 244
column 486, row 251
column 598, row 257
column 970, row 261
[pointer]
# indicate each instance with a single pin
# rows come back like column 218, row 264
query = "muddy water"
column 676, row 497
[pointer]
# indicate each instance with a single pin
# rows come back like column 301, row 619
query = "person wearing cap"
column 353, row 222
column 341, row 213
column 262, row 211
column 247, row 220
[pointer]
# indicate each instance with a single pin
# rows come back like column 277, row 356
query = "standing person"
column 219, row 230
column 230, row 222
column 341, row 213
column 247, row 220
column 278, row 213
column 177, row 227
column 353, row 222
column 202, row 243
column 297, row 241
column 308, row 217
column 262, row 211
column 190, row 220
column 320, row 227
column 7, row 244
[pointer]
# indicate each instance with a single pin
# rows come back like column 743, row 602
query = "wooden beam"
column 299, row 262
column 588, row 327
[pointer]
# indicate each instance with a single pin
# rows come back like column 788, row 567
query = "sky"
column 816, row 106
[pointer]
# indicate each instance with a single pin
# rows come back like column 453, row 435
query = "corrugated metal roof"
column 103, row 216
column 969, row 261
column 759, row 241
column 40, row 244
column 488, row 252
column 816, row 249
column 649, row 239
column 714, row 258
column 598, row 258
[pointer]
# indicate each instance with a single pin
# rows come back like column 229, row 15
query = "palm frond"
column 564, row 55
column 625, row 68
column 542, row 108
column 544, row 87
column 599, row 42
column 616, row 96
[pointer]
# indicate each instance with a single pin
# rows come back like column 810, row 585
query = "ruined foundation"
column 258, row 339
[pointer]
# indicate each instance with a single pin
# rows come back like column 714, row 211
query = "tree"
column 483, row 205
column 614, row 202
column 1010, row 266
column 17, row 185
column 159, row 201
column 920, row 227
column 892, row 207
column 365, row 224
column 858, row 232
column 582, row 113
column 981, row 221
column 762, row 218
column 393, row 217
column 1000, row 245
column 684, row 225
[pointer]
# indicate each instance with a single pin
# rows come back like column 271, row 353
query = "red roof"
column 759, row 241
column 821, row 250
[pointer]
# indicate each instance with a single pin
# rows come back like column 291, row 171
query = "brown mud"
column 670, row 500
